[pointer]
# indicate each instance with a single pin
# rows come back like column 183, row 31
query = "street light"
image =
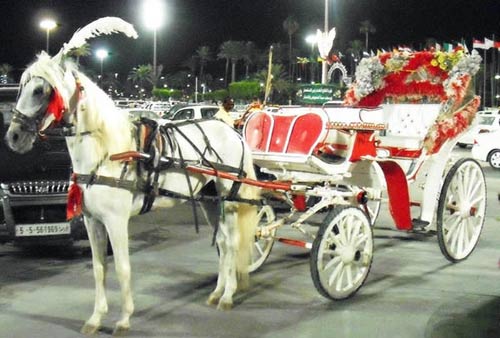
column 48, row 25
column 311, row 39
column 101, row 55
column 154, row 16
column 324, row 66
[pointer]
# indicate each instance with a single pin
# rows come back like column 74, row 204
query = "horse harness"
column 157, row 145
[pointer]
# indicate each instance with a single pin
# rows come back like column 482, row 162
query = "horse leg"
column 211, row 211
column 98, row 242
column 118, row 234
column 228, row 227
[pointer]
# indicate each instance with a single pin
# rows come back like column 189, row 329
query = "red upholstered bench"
column 285, row 134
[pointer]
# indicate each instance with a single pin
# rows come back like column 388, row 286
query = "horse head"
column 49, row 87
column 43, row 100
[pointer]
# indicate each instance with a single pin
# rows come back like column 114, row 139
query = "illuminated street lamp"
column 48, row 25
column 311, row 39
column 154, row 17
column 101, row 55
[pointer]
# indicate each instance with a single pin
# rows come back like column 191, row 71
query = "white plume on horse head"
column 103, row 26
column 58, row 70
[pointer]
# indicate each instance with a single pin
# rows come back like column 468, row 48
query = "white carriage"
column 347, row 158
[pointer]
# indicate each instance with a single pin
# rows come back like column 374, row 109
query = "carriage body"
column 390, row 143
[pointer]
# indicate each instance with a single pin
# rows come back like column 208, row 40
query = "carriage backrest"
column 284, row 133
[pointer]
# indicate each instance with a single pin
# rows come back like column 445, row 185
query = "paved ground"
column 412, row 290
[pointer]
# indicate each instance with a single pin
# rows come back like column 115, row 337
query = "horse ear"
column 59, row 58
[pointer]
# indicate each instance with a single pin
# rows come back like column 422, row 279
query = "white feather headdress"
column 103, row 26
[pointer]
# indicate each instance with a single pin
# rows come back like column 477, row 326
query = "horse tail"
column 247, row 226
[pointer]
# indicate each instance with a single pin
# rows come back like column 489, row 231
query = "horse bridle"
column 31, row 124
column 27, row 123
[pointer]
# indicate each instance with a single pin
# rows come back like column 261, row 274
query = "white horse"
column 52, row 88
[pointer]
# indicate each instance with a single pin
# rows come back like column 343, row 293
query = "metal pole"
column 47, row 42
column 196, row 89
column 324, row 69
column 154, row 57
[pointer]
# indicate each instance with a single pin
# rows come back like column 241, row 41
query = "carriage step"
column 418, row 224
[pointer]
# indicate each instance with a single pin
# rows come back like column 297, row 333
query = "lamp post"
column 48, row 25
column 101, row 55
column 153, row 13
column 324, row 66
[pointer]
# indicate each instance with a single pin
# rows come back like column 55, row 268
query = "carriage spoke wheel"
column 461, row 210
column 342, row 253
column 263, row 241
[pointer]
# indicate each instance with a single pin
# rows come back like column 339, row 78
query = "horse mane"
column 95, row 110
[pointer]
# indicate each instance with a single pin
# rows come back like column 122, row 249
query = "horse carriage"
column 404, row 115
column 341, row 159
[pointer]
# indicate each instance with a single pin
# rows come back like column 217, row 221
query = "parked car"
column 191, row 112
column 487, row 148
column 158, row 107
column 34, row 188
column 485, row 122
column 137, row 113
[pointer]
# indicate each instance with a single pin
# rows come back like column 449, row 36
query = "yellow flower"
column 434, row 63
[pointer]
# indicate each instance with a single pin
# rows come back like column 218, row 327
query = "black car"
column 34, row 188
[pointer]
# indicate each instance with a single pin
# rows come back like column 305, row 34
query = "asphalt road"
column 412, row 290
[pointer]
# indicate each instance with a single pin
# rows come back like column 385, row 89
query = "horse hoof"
column 89, row 329
column 120, row 331
column 212, row 300
column 223, row 306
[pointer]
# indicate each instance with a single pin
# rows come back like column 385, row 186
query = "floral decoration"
column 420, row 77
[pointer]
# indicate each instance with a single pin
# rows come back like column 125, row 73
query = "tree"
column 280, row 86
column 142, row 75
column 231, row 51
column 204, row 55
column 356, row 46
column 291, row 26
column 250, row 56
column 366, row 28
column 83, row 50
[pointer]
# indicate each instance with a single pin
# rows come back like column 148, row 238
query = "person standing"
column 223, row 113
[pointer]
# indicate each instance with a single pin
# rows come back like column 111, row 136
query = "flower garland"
column 418, row 77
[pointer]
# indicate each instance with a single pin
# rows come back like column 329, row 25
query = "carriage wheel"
column 263, row 243
column 461, row 210
column 342, row 253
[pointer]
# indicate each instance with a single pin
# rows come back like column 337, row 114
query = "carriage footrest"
column 419, row 224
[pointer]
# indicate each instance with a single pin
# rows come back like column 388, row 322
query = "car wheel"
column 494, row 159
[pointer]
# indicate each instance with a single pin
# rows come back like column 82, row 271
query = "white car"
column 159, row 107
column 485, row 122
column 193, row 112
column 487, row 148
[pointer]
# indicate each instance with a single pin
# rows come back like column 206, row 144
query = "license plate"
column 28, row 230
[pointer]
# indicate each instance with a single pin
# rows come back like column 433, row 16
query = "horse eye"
column 38, row 91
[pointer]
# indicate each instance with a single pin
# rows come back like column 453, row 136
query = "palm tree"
column 366, row 28
column 356, row 46
column 231, row 51
column 142, row 75
column 83, row 50
column 250, row 56
column 204, row 54
column 291, row 26
column 5, row 70
column 279, row 80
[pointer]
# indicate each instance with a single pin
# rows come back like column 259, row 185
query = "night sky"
column 193, row 23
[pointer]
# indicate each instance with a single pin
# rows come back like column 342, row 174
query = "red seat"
column 291, row 134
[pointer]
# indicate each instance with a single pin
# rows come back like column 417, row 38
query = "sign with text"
column 315, row 94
